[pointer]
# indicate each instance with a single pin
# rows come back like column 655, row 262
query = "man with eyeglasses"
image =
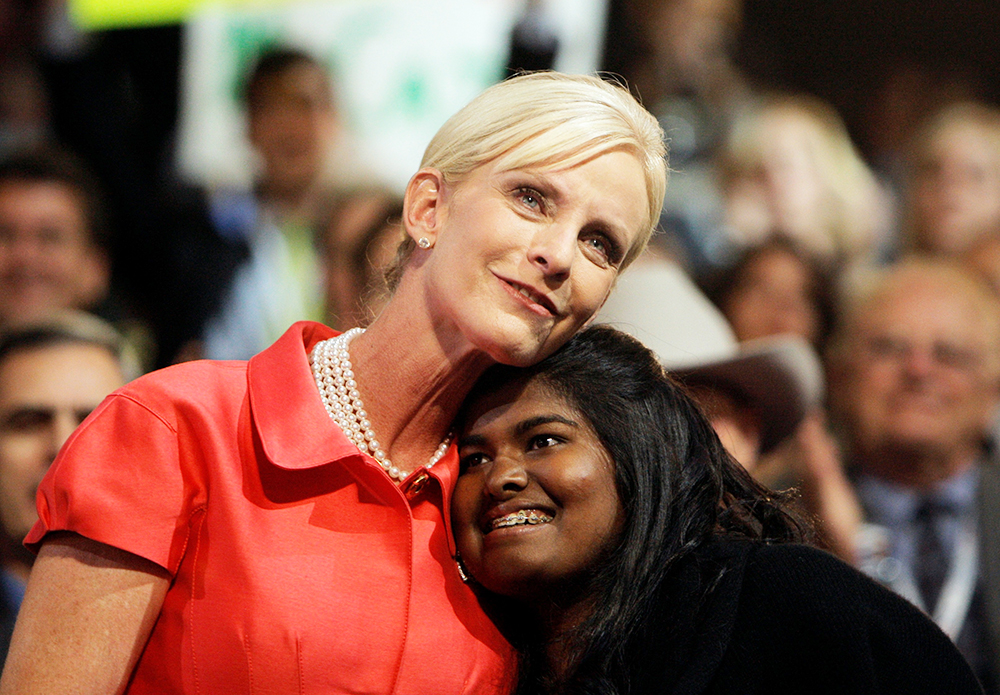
column 914, row 368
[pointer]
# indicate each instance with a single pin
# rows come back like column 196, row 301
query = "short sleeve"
column 120, row 480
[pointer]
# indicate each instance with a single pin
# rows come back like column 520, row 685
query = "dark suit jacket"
column 989, row 551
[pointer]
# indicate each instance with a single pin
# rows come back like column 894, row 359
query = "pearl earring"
column 423, row 242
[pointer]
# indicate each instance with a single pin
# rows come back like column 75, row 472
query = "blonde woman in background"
column 789, row 167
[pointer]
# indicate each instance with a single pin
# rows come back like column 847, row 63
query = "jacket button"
column 416, row 485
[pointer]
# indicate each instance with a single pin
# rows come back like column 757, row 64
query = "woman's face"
column 774, row 296
column 523, row 258
column 956, row 189
column 535, row 508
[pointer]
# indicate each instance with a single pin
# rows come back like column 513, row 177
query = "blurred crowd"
column 837, row 317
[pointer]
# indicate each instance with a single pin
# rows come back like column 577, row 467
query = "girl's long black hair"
column 677, row 485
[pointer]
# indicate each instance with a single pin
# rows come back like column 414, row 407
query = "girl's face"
column 536, row 507
column 523, row 258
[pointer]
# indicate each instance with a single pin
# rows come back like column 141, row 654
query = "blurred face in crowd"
column 786, row 190
column 956, row 188
column 360, row 244
column 737, row 424
column 792, row 172
column 47, row 259
column 693, row 36
column 292, row 125
column 45, row 392
column 917, row 372
column 773, row 295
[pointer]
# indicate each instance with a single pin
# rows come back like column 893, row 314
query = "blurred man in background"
column 52, row 230
column 53, row 372
column 913, row 379
column 243, row 264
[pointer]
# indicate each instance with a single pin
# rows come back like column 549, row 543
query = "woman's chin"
column 513, row 580
column 518, row 341
column 521, row 348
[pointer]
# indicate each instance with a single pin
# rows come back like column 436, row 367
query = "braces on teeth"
column 531, row 518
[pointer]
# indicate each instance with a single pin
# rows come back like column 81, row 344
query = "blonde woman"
column 280, row 525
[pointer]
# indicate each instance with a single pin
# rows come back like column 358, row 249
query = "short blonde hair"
column 548, row 119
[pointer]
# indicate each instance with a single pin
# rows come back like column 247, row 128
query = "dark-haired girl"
column 623, row 551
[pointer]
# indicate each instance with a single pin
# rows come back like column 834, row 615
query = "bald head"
column 914, row 369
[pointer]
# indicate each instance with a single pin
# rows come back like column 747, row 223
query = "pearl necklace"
column 334, row 375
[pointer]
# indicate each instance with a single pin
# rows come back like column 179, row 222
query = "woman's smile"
column 530, row 517
column 538, row 302
column 515, row 514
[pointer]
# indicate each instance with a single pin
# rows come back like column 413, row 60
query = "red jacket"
column 297, row 564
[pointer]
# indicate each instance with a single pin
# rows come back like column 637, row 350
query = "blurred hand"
column 810, row 460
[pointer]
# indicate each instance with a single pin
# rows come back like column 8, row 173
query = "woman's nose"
column 553, row 250
column 506, row 478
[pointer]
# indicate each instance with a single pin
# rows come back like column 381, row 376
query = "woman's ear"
column 423, row 205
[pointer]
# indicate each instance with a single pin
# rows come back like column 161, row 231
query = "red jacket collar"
column 295, row 431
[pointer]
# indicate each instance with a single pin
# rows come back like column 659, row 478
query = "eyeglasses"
column 896, row 349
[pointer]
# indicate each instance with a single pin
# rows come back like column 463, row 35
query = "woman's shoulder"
column 746, row 616
column 804, row 584
column 794, row 566
column 200, row 382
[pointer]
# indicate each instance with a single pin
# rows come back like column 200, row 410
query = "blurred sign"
column 399, row 69
column 116, row 14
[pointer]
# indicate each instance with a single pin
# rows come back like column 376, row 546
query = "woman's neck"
column 413, row 376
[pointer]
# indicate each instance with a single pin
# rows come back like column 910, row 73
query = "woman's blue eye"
column 530, row 197
column 604, row 246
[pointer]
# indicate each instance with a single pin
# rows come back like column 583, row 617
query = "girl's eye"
column 543, row 441
column 471, row 461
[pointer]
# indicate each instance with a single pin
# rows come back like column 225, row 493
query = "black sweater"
column 790, row 619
